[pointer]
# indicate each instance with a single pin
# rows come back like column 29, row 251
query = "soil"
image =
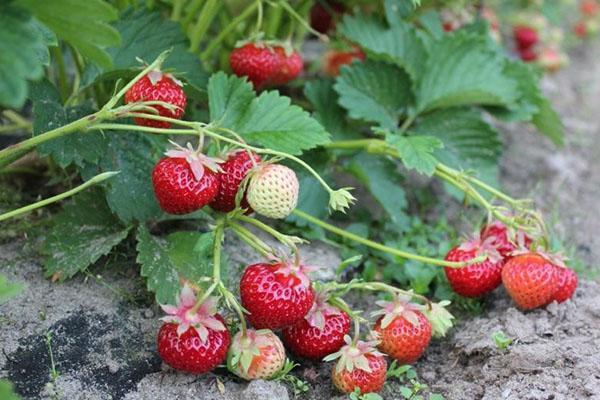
column 102, row 345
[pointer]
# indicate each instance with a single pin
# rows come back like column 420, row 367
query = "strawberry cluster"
column 589, row 22
column 279, row 296
column 265, row 64
column 532, row 278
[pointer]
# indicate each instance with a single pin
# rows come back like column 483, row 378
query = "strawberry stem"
column 251, row 239
column 289, row 241
column 384, row 248
column 23, row 210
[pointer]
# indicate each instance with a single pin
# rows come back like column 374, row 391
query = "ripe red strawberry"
column 404, row 332
column 530, row 280
column 589, row 8
column 185, row 180
column 359, row 366
column 321, row 16
column 567, row 283
column 290, row 67
column 258, row 355
column 333, row 60
column 497, row 234
column 320, row 333
column 276, row 295
column 156, row 86
column 580, row 29
column 525, row 36
column 256, row 61
column 528, row 55
column 233, row 172
column 195, row 342
column 273, row 191
column 476, row 279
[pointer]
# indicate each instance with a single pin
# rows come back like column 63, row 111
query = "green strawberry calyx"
column 439, row 317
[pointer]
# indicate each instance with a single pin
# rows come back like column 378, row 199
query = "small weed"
column 501, row 340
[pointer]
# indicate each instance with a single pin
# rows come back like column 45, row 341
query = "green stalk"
column 381, row 247
column 209, row 11
column 207, row 53
column 23, row 210
column 273, row 21
column 62, row 73
column 191, row 11
column 177, row 8
column 12, row 153
column 285, row 239
column 250, row 239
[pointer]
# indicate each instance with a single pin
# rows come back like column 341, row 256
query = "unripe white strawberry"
column 273, row 191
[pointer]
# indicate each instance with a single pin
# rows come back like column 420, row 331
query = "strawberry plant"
column 176, row 134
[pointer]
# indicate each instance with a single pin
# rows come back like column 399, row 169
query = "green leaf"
column 80, row 234
column 374, row 91
column 269, row 120
column 83, row 24
column 75, row 148
column 130, row 194
column 432, row 22
column 469, row 142
column 399, row 44
column 397, row 10
column 416, row 152
column 379, row 175
column 529, row 93
column 23, row 54
column 6, row 390
column 327, row 110
column 146, row 34
column 8, row 290
column 549, row 123
column 166, row 261
column 463, row 70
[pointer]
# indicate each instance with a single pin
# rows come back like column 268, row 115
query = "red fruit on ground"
column 322, row 16
column 404, row 332
column 156, row 86
column 185, row 181
column 233, row 172
column 530, row 280
column 567, row 283
column 195, row 342
column 589, row 8
column 525, row 36
column 259, row 63
column 320, row 333
column 476, row 279
column 276, row 295
column 333, row 60
column 528, row 55
column 359, row 366
column 580, row 29
column 290, row 66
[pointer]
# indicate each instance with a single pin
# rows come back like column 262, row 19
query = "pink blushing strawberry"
column 259, row 354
